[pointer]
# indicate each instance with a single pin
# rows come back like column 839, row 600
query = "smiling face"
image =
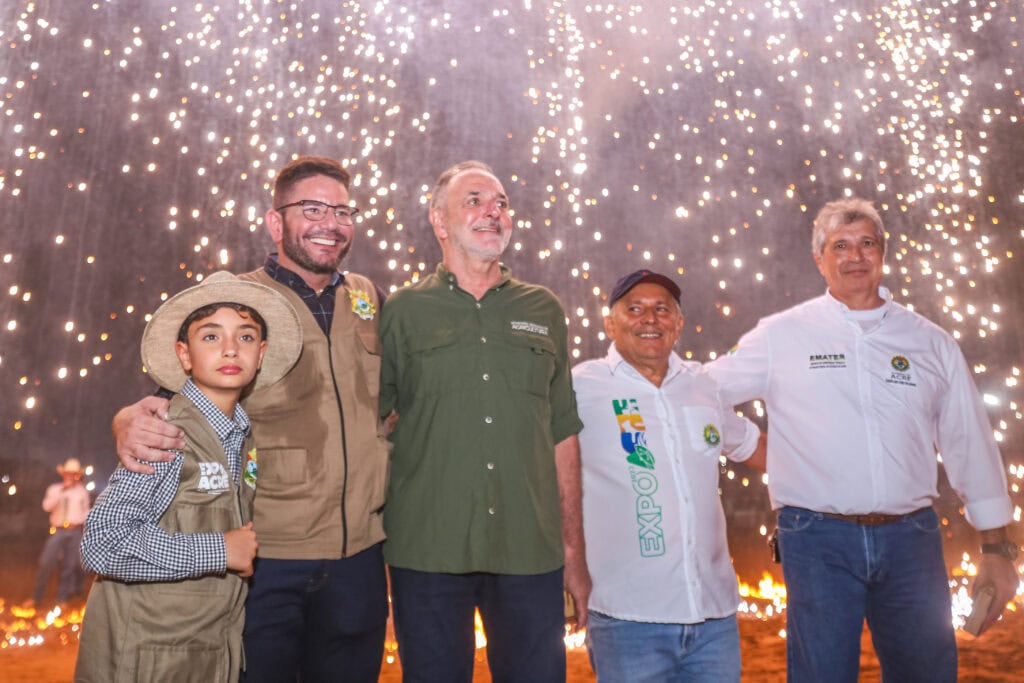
column 645, row 325
column 472, row 220
column 311, row 248
column 851, row 261
column 223, row 353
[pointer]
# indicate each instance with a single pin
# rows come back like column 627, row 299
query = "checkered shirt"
column 320, row 305
column 123, row 539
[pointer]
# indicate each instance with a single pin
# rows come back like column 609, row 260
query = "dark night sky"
column 694, row 138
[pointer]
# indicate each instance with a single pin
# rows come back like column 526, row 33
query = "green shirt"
column 483, row 393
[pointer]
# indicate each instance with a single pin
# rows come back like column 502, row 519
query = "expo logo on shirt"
column 633, row 437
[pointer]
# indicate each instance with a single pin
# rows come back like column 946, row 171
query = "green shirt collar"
column 448, row 276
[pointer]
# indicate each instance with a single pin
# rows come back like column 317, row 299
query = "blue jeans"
column 318, row 620
column 839, row 573
column 63, row 550
column 641, row 652
column 524, row 619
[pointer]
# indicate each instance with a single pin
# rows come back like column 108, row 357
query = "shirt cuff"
column 565, row 427
column 210, row 554
column 991, row 513
column 746, row 448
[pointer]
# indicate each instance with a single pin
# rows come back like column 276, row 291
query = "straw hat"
column 70, row 466
column 284, row 334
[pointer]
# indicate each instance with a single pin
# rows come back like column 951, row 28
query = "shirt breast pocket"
column 434, row 365
column 531, row 364
column 703, row 430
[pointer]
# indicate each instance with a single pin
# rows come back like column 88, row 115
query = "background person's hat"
column 70, row 466
column 630, row 281
column 284, row 334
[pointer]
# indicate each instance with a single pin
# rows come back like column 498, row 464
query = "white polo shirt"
column 858, row 402
column 653, row 522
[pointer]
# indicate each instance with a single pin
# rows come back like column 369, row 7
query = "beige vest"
column 323, row 453
column 188, row 630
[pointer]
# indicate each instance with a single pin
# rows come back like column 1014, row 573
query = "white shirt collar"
column 872, row 314
column 616, row 363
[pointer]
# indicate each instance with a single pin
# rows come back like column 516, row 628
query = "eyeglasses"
column 317, row 211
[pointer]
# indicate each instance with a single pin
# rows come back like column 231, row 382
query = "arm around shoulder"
column 141, row 434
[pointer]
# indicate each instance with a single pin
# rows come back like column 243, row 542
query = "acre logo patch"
column 900, row 372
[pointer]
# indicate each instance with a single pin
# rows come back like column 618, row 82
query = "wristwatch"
column 1007, row 549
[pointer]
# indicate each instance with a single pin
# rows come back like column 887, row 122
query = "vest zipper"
column 344, row 449
column 240, row 506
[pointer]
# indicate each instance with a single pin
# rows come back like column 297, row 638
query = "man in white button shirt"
column 663, row 606
column 861, row 394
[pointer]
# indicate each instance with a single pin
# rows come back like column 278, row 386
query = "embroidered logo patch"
column 250, row 472
column 213, row 478
column 534, row 328
column 900, row 372
column 711, row 435
column 362, row 304
column 819, row 361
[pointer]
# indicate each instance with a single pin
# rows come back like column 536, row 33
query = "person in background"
column 862, row 394
column 68, row 504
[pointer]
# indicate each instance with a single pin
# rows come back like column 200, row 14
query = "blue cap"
column 630, row 281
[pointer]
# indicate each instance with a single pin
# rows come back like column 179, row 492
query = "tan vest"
column 323, row 453
column 188, row 630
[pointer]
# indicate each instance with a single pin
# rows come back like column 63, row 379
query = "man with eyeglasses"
column 317, row 606
column 485, row 480
column 862, row 393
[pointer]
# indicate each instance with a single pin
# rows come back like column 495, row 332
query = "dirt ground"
column 998, row 656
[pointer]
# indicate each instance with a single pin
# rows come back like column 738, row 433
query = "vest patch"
column 213, row 478
column 362, row 304
column 250, row 471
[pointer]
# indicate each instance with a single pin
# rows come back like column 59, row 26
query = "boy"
column 172, row 548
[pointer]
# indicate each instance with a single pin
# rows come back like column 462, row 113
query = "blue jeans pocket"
column 794, row 519
column 926, row 521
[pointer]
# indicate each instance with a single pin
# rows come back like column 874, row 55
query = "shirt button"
column 483, row 340
column 486, row 376
column 488, row 419
column 490, row 465
column 478, row 304
column 490, row 511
